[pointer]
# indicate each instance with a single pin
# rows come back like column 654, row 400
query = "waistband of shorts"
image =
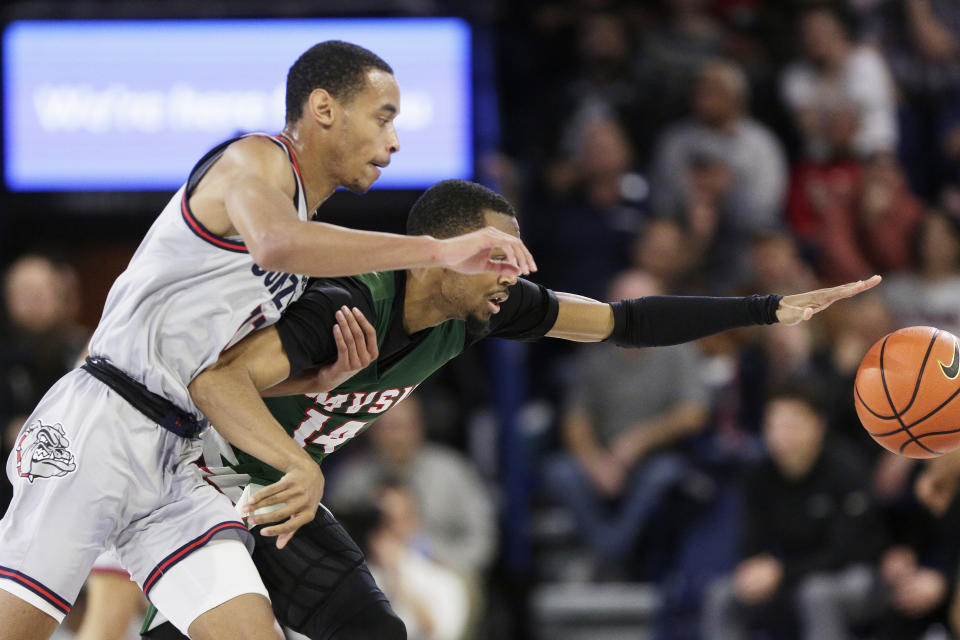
column 156, row 407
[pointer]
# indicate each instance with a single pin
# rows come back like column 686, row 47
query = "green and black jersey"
column 322, row 422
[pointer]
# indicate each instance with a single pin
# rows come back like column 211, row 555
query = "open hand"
column 356, row 348
column 803, row 306
column 485, row 250
column 298, row 494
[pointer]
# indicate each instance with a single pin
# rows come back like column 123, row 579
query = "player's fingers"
column 341, row 344
column 359, row 339
column 531, row 263
column 289, row 525
column 284, row 511
column 369, row 334
column 504, row 268
column 265, row 496
column 348, row 336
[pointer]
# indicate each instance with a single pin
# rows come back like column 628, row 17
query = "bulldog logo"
column 42, row 452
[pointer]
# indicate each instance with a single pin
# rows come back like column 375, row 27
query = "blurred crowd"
column 708, row 147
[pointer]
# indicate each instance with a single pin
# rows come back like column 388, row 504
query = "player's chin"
column 479, row 321
column 362, row 185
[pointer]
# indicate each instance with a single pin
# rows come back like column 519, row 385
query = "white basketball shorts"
column 90, row 471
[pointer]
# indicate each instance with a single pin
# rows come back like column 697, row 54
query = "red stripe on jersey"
column 202, row 232
column 293, row 156
column 186, row 550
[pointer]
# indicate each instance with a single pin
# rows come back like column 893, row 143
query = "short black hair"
column 339, row 67
column 454, row 207
column 803, row 389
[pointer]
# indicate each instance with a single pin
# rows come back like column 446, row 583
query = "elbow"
column 269, row 251
column 199, row 388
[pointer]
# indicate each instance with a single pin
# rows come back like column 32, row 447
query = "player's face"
column 367, row 137
column 478, row 297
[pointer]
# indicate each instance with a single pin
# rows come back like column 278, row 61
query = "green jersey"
column 322, row 422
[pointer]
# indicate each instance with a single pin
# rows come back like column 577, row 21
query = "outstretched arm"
column 661, row 320
column 249, row 192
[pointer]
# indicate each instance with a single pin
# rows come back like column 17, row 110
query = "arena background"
column 718, row 147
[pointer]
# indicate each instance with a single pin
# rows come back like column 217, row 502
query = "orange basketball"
column 907, row 392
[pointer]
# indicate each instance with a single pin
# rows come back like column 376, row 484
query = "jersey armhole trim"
column 205, row 234
column 219, row 241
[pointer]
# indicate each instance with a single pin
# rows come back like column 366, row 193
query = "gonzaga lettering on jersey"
column 188, row 294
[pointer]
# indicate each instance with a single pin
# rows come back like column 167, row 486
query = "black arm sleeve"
column 306, row 328
column 528, row 314
column 663, row 320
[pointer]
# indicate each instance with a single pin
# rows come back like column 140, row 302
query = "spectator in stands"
column 810, row 535
column 835, row 70
column 459, row 522
column 627, row 415
column 662, row 249
column 603, row 87
column 856, row 219
column 676, row 39
column 40, row 342
column 597, row 201
column 432, row 599
column 921, row 42
column 722, row 173
column 776, row 264
column 930, row 295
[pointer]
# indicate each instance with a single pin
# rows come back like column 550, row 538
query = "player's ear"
column 320, row 104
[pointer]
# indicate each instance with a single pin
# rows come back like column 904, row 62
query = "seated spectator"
column 776, row 265
column 627, row 413
column 432, row 599
column 921, row 42
column 662, row 250
column 42, row 340
column 856, row 220
column 459, row 523
column 595, row 200
column 930, row 295
column 720, row 172
column 835, row 70
column 809, row 536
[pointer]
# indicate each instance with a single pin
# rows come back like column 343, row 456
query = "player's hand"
column 298, row 494
column 485, row 250
column 356, row 348
column 803, row 306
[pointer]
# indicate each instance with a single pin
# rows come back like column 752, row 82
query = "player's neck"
column 317, row 181
column 423, row 304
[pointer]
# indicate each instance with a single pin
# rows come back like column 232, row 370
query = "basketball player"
column 104, row 460
column 425, row 316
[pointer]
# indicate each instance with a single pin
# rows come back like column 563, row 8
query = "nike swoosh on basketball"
column 954, row 368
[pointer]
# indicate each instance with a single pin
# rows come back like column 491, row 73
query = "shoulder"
column 256, row 152
column 757, row 132
column 350, row 291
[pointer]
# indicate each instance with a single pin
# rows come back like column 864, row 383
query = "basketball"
column 906, row 392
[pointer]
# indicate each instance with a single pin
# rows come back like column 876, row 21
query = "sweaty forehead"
column 502, row 221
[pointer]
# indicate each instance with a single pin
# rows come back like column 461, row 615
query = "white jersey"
column 188, row 294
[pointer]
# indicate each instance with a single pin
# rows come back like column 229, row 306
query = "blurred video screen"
column 131, row 105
